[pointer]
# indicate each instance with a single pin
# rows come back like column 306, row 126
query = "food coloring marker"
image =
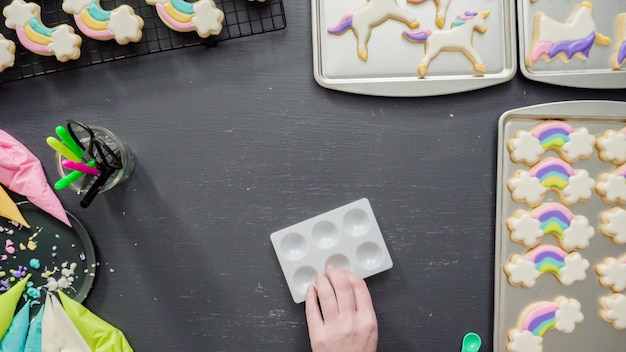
column 62, row 149
column 71, row 177
column 69, row 141
column 79, row 167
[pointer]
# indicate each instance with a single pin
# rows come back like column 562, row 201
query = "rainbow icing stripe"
column 553, row 218
column 547, row 259
column 60, row 40
column 553, row 134
column 201, row 16
column 540, row 319
column 93, row 20
column 553, row 173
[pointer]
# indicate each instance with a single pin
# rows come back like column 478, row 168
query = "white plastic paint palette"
column 347, row 237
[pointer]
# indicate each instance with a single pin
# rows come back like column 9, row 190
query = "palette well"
column 347, row 237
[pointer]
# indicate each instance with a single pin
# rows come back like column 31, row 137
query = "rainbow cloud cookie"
column 572, row 231
column 575, row 37
column 612, row 186
column 612, row 273
column 60, row 41
column 612, row 146
column 7, row 53
column 202, row 16
column 524, row 270
column 571, row 185
column 619, row 51
column 613, row 224
column 120, row 24
column 613, row 310
column 571, row 144
column 563, row 314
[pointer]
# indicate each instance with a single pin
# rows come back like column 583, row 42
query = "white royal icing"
column 526, row 148
column 64, row 42
column 527, row 188
column 615, row 224
column 580, row 187
column 568, row 315
column 208, row 18
column 613, row 188
column 612, row 146
column 578, row 234
column 612, row 273
column 614, row 310
column 7, row 53
column 525, row 341
column 125, row 25
column 526, row 230
column 75, row 6
column 18, row 13
column 579, row 25
column 575, row 269
column 580, row 144
column 522, row 271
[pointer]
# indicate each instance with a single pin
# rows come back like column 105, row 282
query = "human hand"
column 346, row 321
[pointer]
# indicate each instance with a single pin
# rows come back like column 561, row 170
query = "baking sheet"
column 392, row 62
column 593, row 72
column 55, row 245
column 593, row 334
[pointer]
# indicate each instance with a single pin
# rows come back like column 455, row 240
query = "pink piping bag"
column 21, row 172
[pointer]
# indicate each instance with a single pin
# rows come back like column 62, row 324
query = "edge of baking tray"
column 571, row 108
column 415, row 86
column 600, row 79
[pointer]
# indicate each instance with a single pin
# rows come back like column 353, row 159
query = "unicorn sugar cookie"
column 527, row 227
column 202, row 16
column 442, row 10
column 562, row 315
column 524, row 270
column 619, row 51
column 571, row 185
column 60, row 41
column 458, row 38
column 570, row 143
column 93, row 21
column 370, row 15
column 575, row 37
column 7, row 53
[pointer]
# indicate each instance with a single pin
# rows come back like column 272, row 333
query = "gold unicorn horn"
column 485, row 14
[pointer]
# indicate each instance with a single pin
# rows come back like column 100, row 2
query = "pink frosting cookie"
column 528, row 227
column 562, row 314
column 60, row 41
column 571, row 185
column 571, row 144
column 524, row 270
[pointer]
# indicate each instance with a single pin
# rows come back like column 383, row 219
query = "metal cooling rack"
column 241, row 18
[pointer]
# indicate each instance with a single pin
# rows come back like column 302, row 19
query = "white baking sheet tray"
column 595, row 71
column 392, row 62
column 593, row 333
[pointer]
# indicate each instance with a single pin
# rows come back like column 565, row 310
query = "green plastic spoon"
column 471, row 342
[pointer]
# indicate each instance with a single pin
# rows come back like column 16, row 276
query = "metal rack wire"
column 241, row 18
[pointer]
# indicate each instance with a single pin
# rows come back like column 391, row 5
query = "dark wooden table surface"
column 235, row 142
